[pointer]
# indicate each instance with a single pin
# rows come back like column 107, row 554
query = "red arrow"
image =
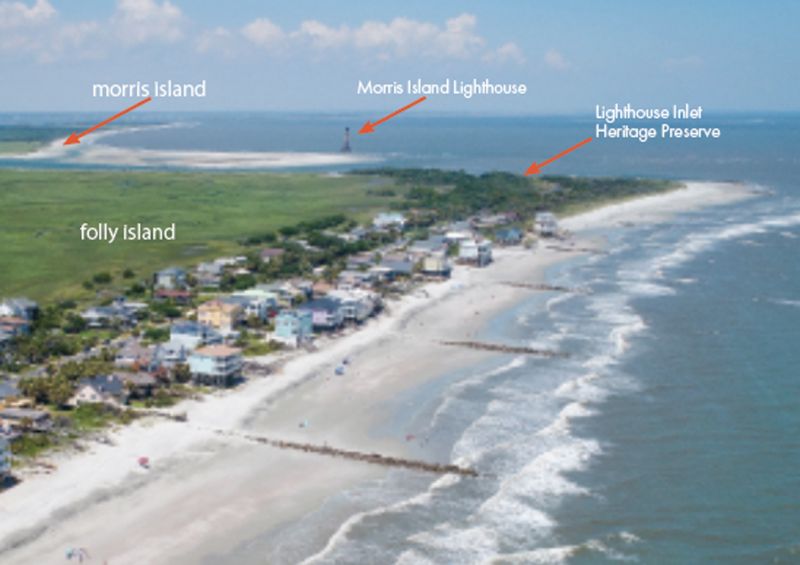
column 369, row 127
column 76, row 137
column 536, row 168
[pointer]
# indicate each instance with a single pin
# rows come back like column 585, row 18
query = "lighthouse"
column 346, row 142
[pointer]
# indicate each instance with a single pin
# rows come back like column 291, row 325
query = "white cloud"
column 264, row 33
column 39, row 32
column 556, row 60
column 140, row 21
column 217, row 39
column 36, row 31
column 508, row 52
column 322, row 36
column 403, row 37
column 459, row 38
column 383, row 40
column 18, row 14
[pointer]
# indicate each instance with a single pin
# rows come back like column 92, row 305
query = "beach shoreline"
column 391, row 355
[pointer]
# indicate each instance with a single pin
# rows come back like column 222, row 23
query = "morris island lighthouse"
column 346, row 141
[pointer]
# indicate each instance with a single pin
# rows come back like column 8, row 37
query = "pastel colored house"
column 436, row 265
column 293, row 327
column 509, row 236
column 216, row 365
column 192, row 335
column 326, row 313
column 220, row 314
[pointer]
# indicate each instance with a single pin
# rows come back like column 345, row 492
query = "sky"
column 307, row 55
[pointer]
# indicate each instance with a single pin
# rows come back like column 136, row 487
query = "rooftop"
column 218, row 351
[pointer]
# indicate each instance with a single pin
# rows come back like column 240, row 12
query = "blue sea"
column 669, row 435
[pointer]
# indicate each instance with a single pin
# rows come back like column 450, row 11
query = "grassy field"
column 42, row 256
column 16, row 147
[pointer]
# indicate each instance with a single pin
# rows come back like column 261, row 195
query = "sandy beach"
column 207, row 493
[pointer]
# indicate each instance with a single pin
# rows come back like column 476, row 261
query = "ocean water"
column 669, row 435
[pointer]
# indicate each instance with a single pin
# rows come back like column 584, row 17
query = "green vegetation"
column 71, row 424
column 234, row 213
column 32, row 444
column 456, row 194
column 42, row 212
column 17, row 147
column 254, row 345
column 92, row 417
column 15, row 139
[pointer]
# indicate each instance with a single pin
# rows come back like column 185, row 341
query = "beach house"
column 25, row 419
column 192, row 335
column 14, row 326
column 19, row 308
column 350, row 279
column 168, row 355
column 284, row 292
column 389, row 220
column 269, row 254
column 545, row 224
column 424, row 247
column 252, row 306
column 132, row 353
column 120, row 312
column 138, row 385
column 456, row 232
column 436, row 265
column 220, row 314
column 509, row 236
column 395, row 266
column 475, row 252
column 101, row 389
column 293, row 327
column 326, row 313
column 170, row 278
column 208, row 274
column 216, row 365
column 356, row 305
column 258, row 302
